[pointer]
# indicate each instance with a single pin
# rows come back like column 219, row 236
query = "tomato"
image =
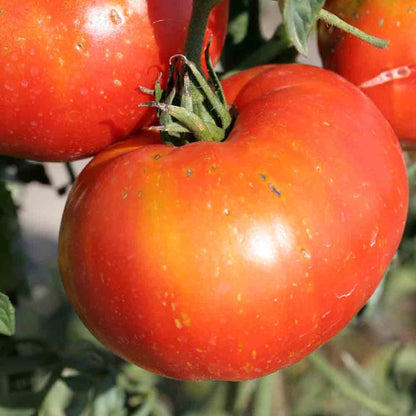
column 387, row 76
column 70, row 71
column 231, row 260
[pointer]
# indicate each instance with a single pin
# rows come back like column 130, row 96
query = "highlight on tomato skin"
column 70, row 73
column 231, row 260
column 387, row 76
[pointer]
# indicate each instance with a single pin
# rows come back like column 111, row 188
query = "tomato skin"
column 360, row 62
column 70, row 72
column 231, row 260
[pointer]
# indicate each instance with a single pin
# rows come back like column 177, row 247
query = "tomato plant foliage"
column 300, row 17
column 231, row 260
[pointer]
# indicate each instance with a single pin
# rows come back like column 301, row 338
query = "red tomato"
column 231, row 260
column 387, row 76
column 70, row 71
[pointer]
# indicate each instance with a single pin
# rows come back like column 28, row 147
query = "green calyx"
column 191, row 108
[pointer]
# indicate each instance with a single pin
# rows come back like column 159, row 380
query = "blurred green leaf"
column 109, row 400
column 299, row 17
column 56, row 401
column 79, row 383
column 7, row 320
column 133, row 379
column 4, row 411
column 10, row 251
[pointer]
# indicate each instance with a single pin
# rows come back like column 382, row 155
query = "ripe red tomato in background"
column 231, row 260
column 70, row 71
column 387, row 76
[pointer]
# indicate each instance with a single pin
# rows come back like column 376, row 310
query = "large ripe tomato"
column 387, row 76
column 231, row 260
column 70, row 71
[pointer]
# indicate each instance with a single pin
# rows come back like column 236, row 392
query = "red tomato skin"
column 70, row 71
column 231, row 260
column 360, row 62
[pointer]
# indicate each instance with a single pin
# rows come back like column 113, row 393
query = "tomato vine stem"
column 201, row 10
column 191, row 107
column 334, row 20
column 349, row 390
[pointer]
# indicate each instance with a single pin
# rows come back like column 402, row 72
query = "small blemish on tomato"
column 274, row 190
column 305, row 253
column 178, row 324
column 381, row 22
column 263, row 176
column 157, row 157
column 226, row 212
column 115, row 17
column 186, row 320
column 189, row 173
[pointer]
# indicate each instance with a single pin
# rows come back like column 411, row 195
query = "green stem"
column 245, row 391
column 347, row 388
column 197, row 27
column 334, row 20
column 263, row 402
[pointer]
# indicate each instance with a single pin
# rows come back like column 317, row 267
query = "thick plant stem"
column 195, row 41
column 263, row 402
column 347, row 388
column 332, row 19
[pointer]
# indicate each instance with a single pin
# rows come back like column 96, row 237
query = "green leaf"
column 110, row 403
column 10, row 251
column 79, row 383
column 299, row 17
column 7, row 321
column 4, row 411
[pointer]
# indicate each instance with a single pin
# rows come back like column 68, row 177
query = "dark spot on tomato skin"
column 157, row 157
column 189, row 173
column 263, row 176
column 274, row 190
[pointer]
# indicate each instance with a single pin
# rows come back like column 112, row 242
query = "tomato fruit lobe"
column 71, row 71
column 387, row 76
column 231, row 260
